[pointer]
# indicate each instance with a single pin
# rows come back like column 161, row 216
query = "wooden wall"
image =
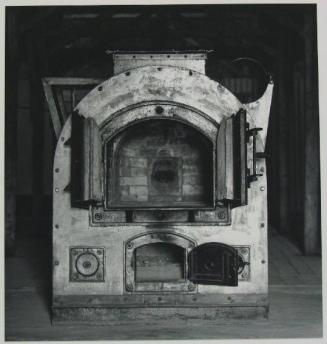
column 71, row 41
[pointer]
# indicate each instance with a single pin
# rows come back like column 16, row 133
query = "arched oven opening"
column 159, row 262
column 159, row 164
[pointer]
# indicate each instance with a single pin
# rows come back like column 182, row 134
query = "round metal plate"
column 87, row 264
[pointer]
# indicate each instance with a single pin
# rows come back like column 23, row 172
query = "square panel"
column 244, row 262
column 87, row 264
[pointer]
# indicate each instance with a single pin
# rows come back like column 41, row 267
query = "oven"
column 160, row 200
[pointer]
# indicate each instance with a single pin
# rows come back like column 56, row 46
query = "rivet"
column 262, row 169
column 100, row 88
column 159, row 298
column 263, row 261
column 56, row 189
column 229, row 298
column 190, row 72
column 185, row 56
column 159, row 110
column 56, row 262
column 99, row 252
column 262, row 225
column 57, row 170
column 57, row 226
column 129, row 245
column 262, row 188
column 159, row 68
column 127, row 73
column 168, row 56
column 62, row 139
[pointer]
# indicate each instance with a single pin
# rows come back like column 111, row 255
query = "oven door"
column 213, row 263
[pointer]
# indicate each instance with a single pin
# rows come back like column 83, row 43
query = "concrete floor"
column 295, row 302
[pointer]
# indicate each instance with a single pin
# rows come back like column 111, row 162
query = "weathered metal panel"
column 192, row 61
column 159, row 84
column 186, row 96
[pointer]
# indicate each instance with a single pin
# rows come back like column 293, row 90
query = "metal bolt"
column 98, row 216
column 244, row 250
column 56, row 190
column 129, row 245
column 56, row 262
column 221, row 215
column 86, row 264
column 262, row 225
column 191, row 287
column 57, row 226
column 99, row 252
column 57, row 170
column 262, row 188
column 263, row 261
column 129, row 287
column 100, row 88
column 127, row 73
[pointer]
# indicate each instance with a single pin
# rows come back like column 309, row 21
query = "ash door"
column 213, row 263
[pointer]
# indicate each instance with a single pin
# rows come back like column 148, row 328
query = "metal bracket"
column 256, row 155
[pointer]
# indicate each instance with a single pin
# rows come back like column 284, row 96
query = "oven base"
column 155, row 315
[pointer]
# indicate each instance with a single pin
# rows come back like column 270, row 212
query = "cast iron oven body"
column 163, row 118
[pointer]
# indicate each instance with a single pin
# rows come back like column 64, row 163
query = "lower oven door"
column 213, row 263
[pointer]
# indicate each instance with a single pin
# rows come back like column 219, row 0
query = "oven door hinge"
column 256, row 155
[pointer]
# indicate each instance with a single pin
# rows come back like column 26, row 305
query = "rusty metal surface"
column 126, row 61
column 159, row 84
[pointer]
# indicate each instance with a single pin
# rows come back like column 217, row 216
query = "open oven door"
column 86, row 162
column 232, row 171
column 213, row 263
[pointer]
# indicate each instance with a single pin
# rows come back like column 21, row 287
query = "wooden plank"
column 70, row 81
column 312, row 225
column 11, row 88
column 56, row 121
column 57, row 110
column 62, row 106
